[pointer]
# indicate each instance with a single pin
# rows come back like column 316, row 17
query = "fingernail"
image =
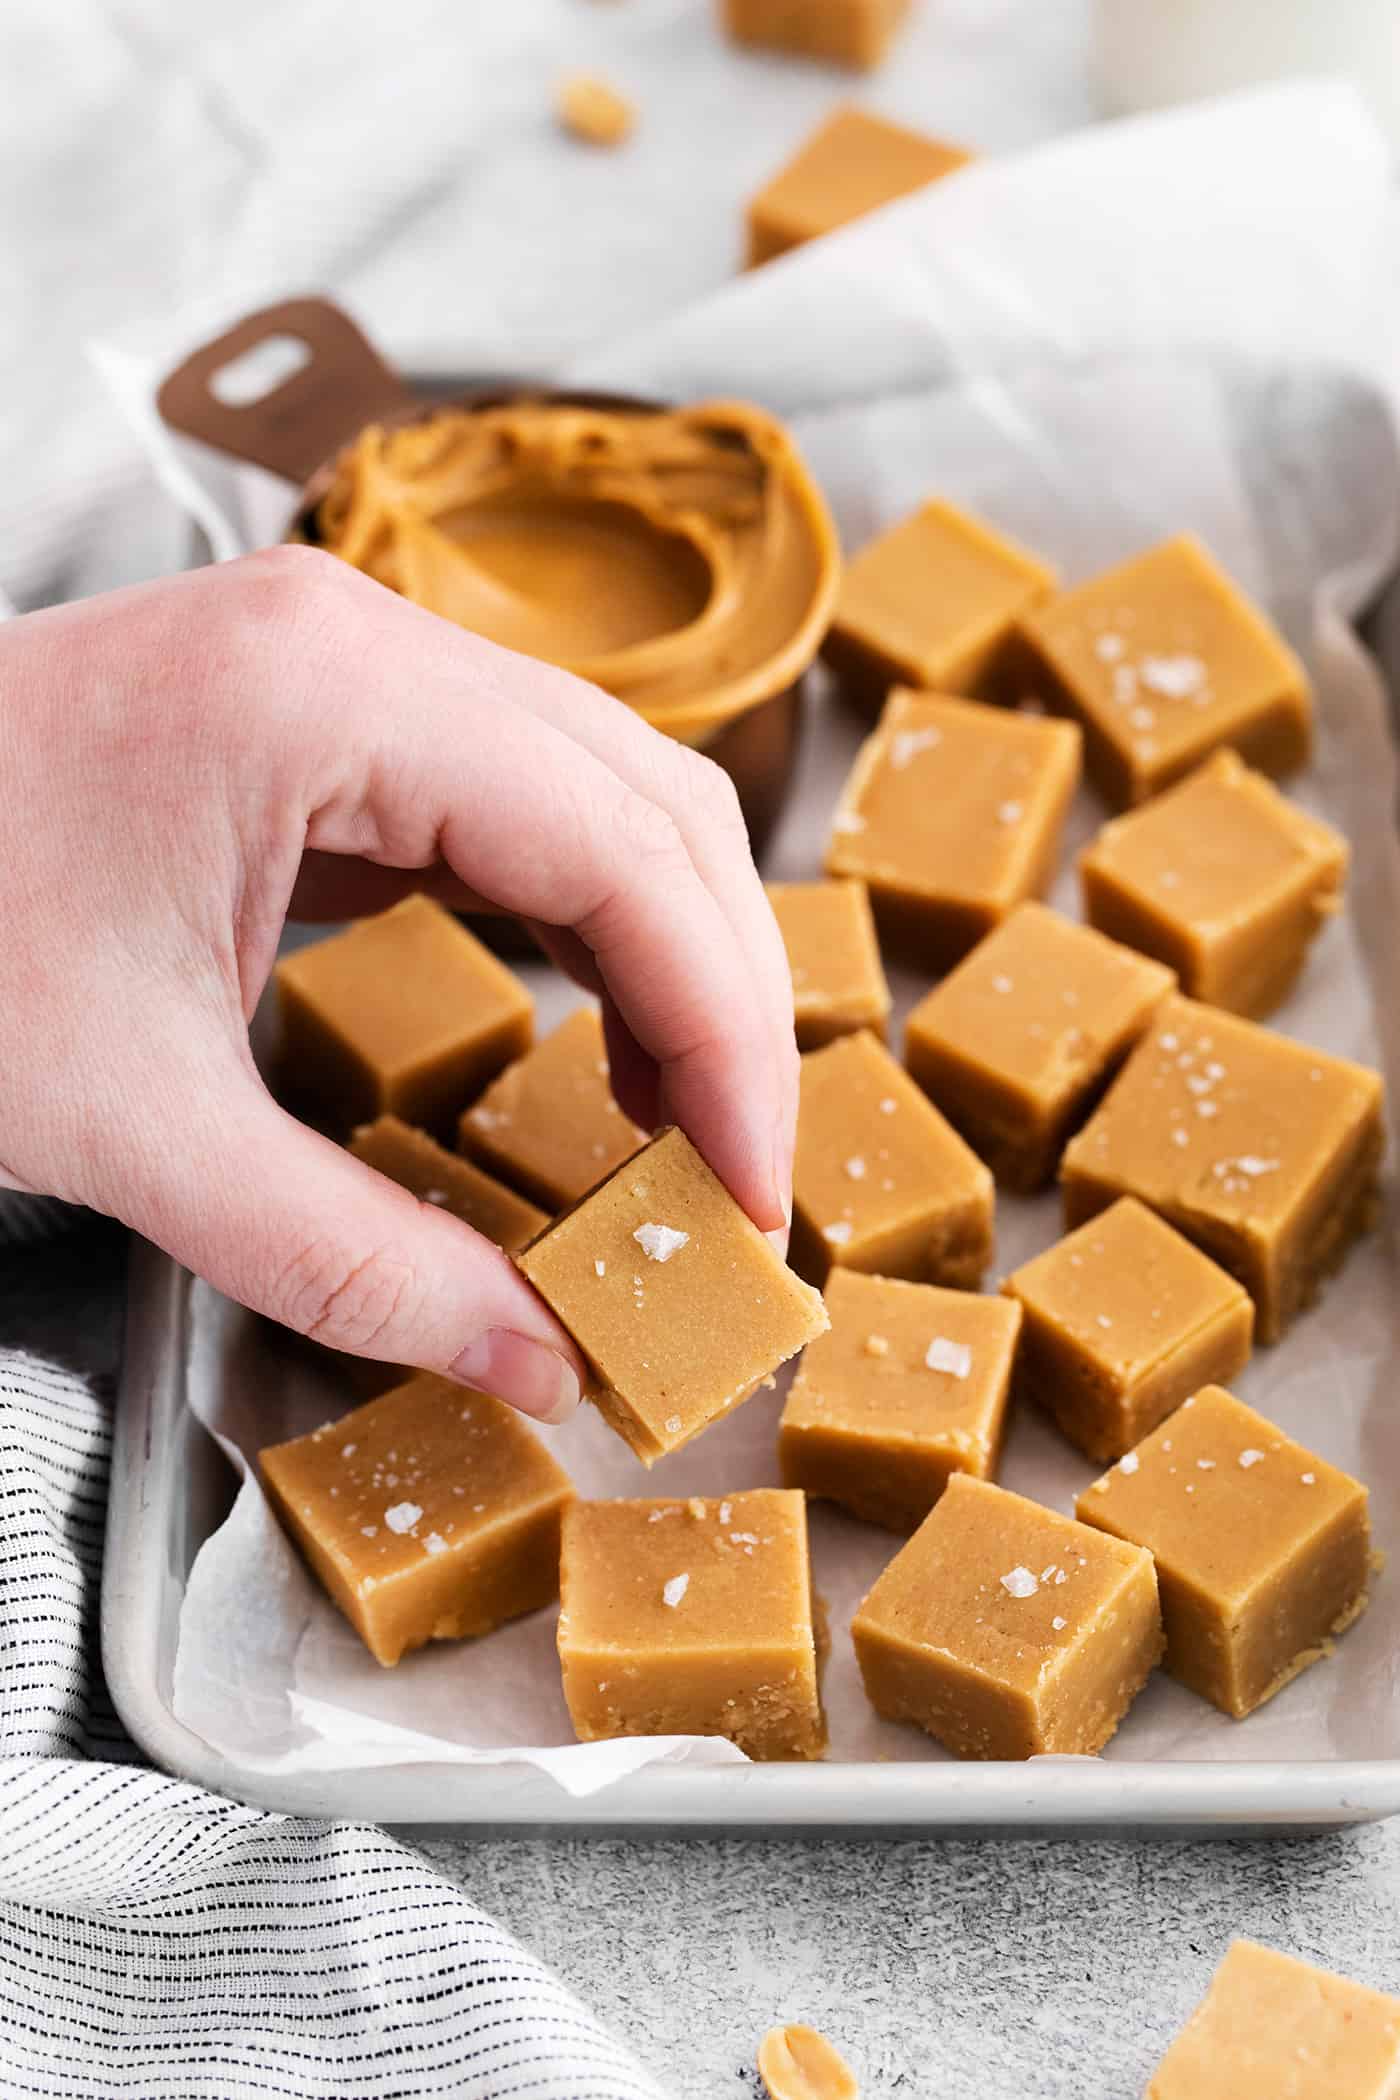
column 778, row 1241
column 521, row 1371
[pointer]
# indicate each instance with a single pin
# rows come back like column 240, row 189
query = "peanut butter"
column 682, row 559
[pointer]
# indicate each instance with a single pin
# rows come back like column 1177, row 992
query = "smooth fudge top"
column 1218, row 1116
column 723, row 1572
column 398, row 1481
column 549, row 1122
column 994, row 778
column 1040, row 1002
column 1126, row 1289
column 1006, row 1587
column 1220, row 1496
column 854, row 161
column 1273, row 2028
column 677, row 1299
column 402, row 986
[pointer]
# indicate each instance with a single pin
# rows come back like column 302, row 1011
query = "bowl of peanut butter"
column 680, row 557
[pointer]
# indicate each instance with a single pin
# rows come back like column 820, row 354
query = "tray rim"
column 1041, row 1796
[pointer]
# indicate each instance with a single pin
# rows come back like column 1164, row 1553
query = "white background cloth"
column 152, row 152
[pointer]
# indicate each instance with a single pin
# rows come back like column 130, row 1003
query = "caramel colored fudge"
column 1263, row 1151
column 880, row 1181
column 952, row 815
column 855, row 33
column 1223, row 879
column 549, row 1125
column 933, row 603
column 1164, row 660
column 909, row 1386
column 1005, row 1630
column 1272, row 2028
column 838, row 979
column 1124, row 1319
column 418, row 1164
column 692, row 1618
column 853, row 162
column 1019, row 1042
column 429, row 1515
column 1263, row 1551
column 404, row 1014
column 676, row 1298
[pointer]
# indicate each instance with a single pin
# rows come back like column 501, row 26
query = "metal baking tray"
column 171, row 1487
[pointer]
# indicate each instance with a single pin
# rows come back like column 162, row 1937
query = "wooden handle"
column 342, row 384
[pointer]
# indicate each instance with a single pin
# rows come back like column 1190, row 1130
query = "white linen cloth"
column 159, row 1941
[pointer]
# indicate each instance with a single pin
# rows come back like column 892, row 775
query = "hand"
column 188, row 762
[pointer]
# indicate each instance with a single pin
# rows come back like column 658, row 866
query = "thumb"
column 289, row 1224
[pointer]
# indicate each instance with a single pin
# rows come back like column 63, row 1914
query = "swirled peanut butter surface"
column 682, row 559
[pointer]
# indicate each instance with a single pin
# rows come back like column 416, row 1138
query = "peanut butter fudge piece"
column 854, row 33
column 1263, row 1551
column 429, row 1515
column 418, row 1164
column 1005, row 1630
column 1272, row 2028
column 909, row 1387
column 952, row 815
column 838, row 979
column 933, row 603
column 549, row 1125
column 678, row 1301
column 1263, row 1151
column 692, row 1618
column 853, row 162
column 1019, row 1042
column 880, row 1181
column 1164, row 660
column 1224, row 879
column 404, row 1014
column 1124, row 1319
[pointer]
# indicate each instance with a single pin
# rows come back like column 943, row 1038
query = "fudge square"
column 678, row 1301
column 880, row 1181
column 854, row 33
column 852, row 162
column 549, row 1124
column 1263, row 1151
column 1005, row 1630
column 952, row 814
column 1221, row 877
column 1163, row 660
column 933, row 602
column 429, row 1515
column 692, row 1618
column 1272, row 2028
column 1263, row 1551
column 1024, row 1035
column 1124, row 1320
column 404, row 1014
column 909, row 1386
column 838, row 979
column 418, row 1164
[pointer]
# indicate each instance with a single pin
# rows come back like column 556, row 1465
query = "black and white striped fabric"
column 159, row 1942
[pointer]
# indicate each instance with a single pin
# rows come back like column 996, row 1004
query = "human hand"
column 189, row 762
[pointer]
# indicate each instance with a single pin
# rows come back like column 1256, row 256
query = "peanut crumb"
column 797, row 2063
column 591, row 109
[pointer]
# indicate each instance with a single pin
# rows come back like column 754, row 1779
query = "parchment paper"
column 1128, row 388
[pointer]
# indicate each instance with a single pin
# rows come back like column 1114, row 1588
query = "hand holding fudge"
column 198, row 759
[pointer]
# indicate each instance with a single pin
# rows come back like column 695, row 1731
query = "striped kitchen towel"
column 162, row 1943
